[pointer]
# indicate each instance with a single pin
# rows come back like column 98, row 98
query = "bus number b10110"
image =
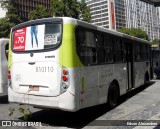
column 44, row 69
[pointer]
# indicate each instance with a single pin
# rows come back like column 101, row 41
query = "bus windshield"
column 37, row 37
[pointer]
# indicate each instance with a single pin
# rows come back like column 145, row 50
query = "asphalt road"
column 140, row 104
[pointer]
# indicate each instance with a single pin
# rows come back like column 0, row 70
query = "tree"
column 39, row 12
column 156, row 42
column 5, row 27
column 139, row 33
column 12, row 11
column 70, row 8
column 85, row 12
column 11, row 18
column 57, row 8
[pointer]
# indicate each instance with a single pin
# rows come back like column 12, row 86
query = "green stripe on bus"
column 10, row 53
column 67, row 53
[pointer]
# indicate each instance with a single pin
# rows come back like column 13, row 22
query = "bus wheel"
column 154, row 76
column 113, row 95
column 146, row 78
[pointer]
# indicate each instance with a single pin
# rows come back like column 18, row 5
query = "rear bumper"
column 65, row 101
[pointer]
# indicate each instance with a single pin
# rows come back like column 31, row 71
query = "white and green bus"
column 69, row 64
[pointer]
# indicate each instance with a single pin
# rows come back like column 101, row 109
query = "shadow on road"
column 135, row 91
column 4, row 99
column 79, row 119
column 54, row 117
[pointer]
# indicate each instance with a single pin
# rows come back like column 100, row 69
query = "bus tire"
column 146, row 78
column 113, row 95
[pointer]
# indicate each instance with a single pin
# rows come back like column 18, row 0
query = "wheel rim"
column 154, row 76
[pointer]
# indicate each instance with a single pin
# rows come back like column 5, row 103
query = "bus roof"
column 91, row 26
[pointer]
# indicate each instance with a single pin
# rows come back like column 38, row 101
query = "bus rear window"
column 37, row 37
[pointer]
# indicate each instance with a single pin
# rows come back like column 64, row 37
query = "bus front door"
column 129, row 59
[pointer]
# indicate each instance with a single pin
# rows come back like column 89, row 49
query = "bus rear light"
column 65, row 72
column 9, row 71
column 9, row 76
column 64, row 78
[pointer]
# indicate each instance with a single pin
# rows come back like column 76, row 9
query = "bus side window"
column 123, row 52
column 89, row 39
column 87, row 55
column 99, row 40
column 143, row 52
column 86, row 47
column 100, row 49
column 148, row 52
column 108, row 46
column 118, row 50
column 137, row 53
column 81, row 37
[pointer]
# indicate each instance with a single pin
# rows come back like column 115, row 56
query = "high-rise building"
column 120, row 14
column 25, row 6
column 99, row 13
column 107, row 13
column 128, row 13
column 143, row 15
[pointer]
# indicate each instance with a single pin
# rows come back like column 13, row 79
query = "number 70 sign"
column 19, row 39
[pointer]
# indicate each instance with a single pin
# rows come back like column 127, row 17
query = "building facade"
column 128, row 14
column 107, row 13
column 25, row 6
column 120, row 14
column 143, row 15
column 100, row 15
column 99, row 12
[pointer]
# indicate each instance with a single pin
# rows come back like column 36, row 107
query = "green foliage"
column 155, row 42
column 11, row 111
column 22, row 111
column 57, row 8
column 26, row 112
column 12, row 11
column 67, row 8
column 5, row 27
column 139, row 33
column 85, row 12
column 11, row 18
column 39, row 12
column 70, row 8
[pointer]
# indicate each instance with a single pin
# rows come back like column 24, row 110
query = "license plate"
column 34, row 88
